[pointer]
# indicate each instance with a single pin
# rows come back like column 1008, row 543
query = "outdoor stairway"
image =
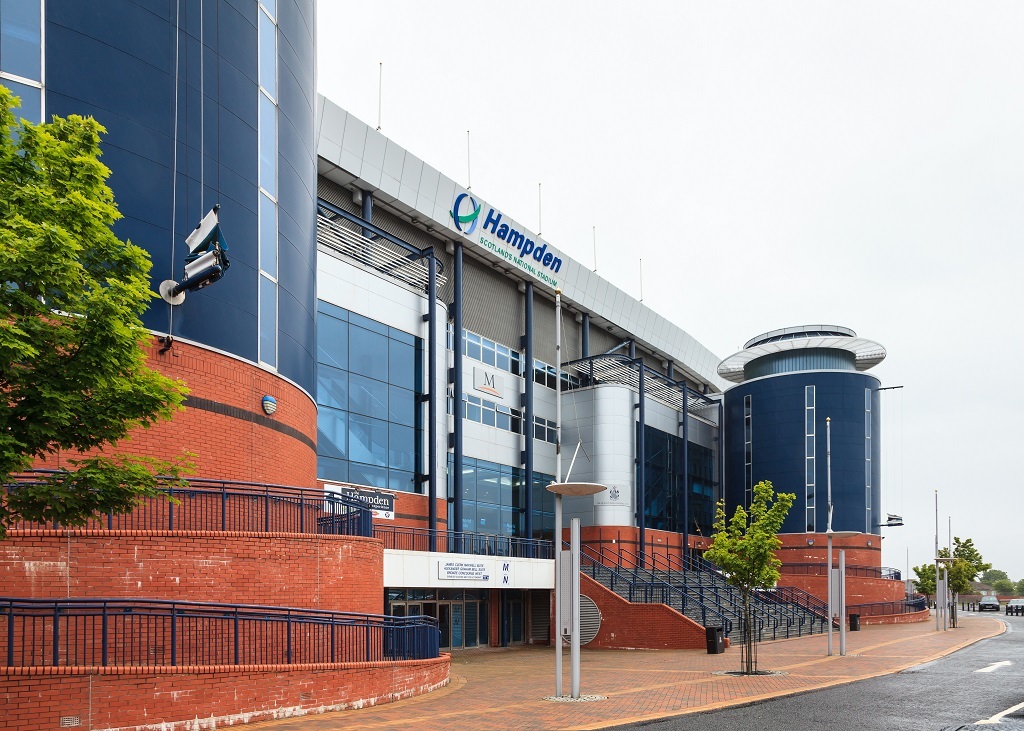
column 701, row 593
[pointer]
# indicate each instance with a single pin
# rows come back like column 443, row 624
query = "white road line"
column 994, row 666
column 996, row 718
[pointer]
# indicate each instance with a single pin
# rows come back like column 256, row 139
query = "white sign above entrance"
column 462, row 570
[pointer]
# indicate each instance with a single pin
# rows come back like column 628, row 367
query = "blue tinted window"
column 367, row 396
column 368, row 352
column 332, row 310
column 268, row 145
column 401, row 406
column 268, row 55
column 363, row 474
column 30, row 108
column 401, row 447
column 366, row 322
column 20, row 40
column 404, row 481
column 331, row 469
column 268, row 236
column 271, row 7
column 268, row 321
column 368, row 440
column 402, row 364
column 332, row 434
column 401, row 337
column 332, row 342
column 332, row 387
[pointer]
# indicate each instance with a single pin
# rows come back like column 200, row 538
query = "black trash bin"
column 855, row 623
column 716, row 640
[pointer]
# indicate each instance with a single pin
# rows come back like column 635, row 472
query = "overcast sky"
column 774, row 164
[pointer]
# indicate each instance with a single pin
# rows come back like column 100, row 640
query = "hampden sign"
column 505, row 238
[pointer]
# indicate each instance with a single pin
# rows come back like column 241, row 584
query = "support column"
column 455, row 524
column 367, row 212
column 528, row 416
column 585, row 336
column 686, row 472
column 641, row 477
column 432, row 398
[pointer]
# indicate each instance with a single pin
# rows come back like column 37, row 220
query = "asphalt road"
column 974, row 684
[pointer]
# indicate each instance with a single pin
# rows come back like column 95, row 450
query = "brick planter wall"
column 180, row 699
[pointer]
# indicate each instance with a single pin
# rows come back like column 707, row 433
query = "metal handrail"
column 159, row 633
column 821, row 569
column 406, row 538
column 229, row 506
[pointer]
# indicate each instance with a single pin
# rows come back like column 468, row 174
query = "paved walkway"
column 505, row 688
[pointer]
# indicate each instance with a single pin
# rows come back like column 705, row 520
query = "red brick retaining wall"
column 909, row 618
column 177, row 699
column 343, row 573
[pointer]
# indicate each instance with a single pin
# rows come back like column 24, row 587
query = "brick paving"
column 505, row 688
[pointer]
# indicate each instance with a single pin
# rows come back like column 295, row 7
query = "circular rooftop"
column 866, row 353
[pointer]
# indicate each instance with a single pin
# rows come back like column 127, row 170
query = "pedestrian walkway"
column 505, row 688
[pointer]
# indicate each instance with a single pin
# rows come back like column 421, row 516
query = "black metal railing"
column 821, row 569
column 153, row 633
column 231, row 505
column 404, row 538
column 874, row 609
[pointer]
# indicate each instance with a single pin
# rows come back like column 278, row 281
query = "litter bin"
column 716, row 640
column 855, row 623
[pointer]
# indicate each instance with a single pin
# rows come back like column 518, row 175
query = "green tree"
column 71, row 296
column 991, row 575
column 744, row 548
column 1018, row 588
column 965, row 550
column 925, row 580
column 1003, row 586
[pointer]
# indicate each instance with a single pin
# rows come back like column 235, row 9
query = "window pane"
column 30, row 108
column 368, row 441
column 332, row 387
column 332, row 433
column 401, row 406
column 401, row 447
column 367, row 396
column 268, row 145
column 271, row 6
column 810, row 471
column 268, row 236
column 468, row 483
column 20, row 42
column 511, row 522
column 473, row 350
column 488, row 486
column 809, row 396
column 368, row 352
column 472, row 412
column 402, row 481
column 368, row 324
column 401, row 364
column 268, row 55
column 488, row 518
column 331, row 469
column 469, row 516
column 487, row 417
column 268, row 321
column 363, row 474
column 503, row 421
column 809, row 421
column 809, row 446
column 331, row 342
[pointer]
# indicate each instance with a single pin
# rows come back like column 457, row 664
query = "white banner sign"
column 462, row 570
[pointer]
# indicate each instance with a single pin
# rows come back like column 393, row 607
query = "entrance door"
column 457, row 625
column 444, row 623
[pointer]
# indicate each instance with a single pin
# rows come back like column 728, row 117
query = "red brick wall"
column 858, row 590
column 923, row 616
column 343, row 573
column 796, row 549
column 640, row 626
column 172, row 699
column 227, row 447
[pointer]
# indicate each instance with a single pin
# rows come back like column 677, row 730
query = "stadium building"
column 372, row 406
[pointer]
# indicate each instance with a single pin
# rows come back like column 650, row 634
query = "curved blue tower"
column 206, row 102
column 789, row 382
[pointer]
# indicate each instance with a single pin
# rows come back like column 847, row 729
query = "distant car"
column 1017, row 604
column 988, row 603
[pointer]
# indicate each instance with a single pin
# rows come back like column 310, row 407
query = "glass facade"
column 809, row 455
column 811, row 359
column 21, row 55
column 462, row 614
column 668, row 482
column 868, row 527
column 369, row 388
column 748, row 452
column 494, row 499
column 479, row 348
column 268, row 183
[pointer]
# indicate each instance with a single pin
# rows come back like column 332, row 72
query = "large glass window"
column 369, row 382
column 809, row 456
column 748, row 452
column 867, row 460
column 268, row 214
column 679, row 495
column 494, row 499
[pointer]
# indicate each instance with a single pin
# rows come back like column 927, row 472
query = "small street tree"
column 967, row 563
column 72, row 374
column 925, row 580
column 744, row 548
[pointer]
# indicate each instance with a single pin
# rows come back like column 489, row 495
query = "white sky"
column 774, row 164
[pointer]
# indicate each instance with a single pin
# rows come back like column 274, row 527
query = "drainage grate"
column 69, row 721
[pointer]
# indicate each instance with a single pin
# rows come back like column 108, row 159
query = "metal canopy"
column 619, row 369
column 341, row 231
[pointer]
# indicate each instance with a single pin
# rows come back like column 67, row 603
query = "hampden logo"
column 466, row 223
column 512, row 244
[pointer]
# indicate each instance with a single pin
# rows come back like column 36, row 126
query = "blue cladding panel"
column 128, row 85
column 777, row 404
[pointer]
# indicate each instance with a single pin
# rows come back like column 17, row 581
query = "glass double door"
column 461, row 623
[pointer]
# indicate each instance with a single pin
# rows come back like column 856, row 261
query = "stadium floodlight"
column 206, row 262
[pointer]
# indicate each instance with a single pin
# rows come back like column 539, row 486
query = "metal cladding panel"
column 492, row 305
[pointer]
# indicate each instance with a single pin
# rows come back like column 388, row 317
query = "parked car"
column 988, row 603
column 1015, row 606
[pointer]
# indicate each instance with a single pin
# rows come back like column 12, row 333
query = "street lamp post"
column 572, row 489
column 830, row 534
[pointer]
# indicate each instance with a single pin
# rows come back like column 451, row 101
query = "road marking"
column 994, row 666
column 996, row 718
